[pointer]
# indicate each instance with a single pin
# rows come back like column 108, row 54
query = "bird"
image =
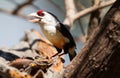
column 56, row 32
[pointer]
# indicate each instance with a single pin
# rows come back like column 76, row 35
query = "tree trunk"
column 100, row 58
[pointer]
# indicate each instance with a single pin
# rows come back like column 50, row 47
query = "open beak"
column 33, row 17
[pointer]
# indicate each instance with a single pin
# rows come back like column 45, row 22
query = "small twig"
column 10, row 12
column 19, row 7
column 91, row 9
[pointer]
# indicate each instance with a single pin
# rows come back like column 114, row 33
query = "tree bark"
column 94, row 18
column 100, row 57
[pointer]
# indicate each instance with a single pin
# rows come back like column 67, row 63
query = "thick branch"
column 99, row 58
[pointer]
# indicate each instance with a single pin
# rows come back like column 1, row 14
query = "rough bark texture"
column 101, row 55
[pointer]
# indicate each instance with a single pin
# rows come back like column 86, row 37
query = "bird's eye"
column 40, row 13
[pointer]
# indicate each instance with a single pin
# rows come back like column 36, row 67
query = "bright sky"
column 12, row 29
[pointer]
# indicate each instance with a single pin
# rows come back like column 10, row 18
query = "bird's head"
column 43, row 17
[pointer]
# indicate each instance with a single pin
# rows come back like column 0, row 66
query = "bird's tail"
column 72, row 55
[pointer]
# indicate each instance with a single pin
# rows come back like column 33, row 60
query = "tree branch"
column 99, row 57
column 72, row 15
column 94, row 19
column 19, row 7
column 70, row 12
column 91, row 9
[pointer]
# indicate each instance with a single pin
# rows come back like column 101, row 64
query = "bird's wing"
column 65, row 32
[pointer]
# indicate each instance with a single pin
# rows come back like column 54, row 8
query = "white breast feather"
column 50, row 29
